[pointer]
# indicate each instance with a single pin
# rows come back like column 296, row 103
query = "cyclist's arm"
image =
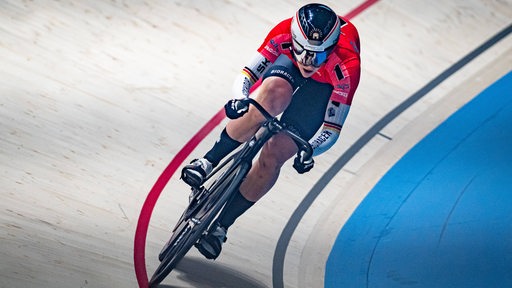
column 345, row 79
column 335, row 116
column 250, row 75
column 267, row 54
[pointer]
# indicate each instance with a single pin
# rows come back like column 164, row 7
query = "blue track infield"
column 442, row 216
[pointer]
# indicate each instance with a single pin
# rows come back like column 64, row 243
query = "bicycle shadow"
column 199, row 273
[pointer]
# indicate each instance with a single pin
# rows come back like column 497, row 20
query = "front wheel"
column 184, row 237
column 197, row 221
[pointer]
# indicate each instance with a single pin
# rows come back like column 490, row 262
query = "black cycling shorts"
column 306, row 111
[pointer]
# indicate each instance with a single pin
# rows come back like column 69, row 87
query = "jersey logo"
column 276, row 46
column 263, row 65
column 331, row 112
column 342, row 94
column 343, row 86
column 271, row 50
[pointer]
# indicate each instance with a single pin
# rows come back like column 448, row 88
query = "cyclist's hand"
column 303, row 163
column 236, row 108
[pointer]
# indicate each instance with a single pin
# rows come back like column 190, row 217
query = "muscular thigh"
column 307, row 108
column 279, row 149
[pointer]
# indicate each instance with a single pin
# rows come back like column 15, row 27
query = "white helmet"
column 315, row 31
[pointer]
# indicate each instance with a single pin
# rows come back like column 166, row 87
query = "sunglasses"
column 309, row 58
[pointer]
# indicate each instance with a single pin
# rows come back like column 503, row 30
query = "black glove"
column 236, row 108
column 302, row 163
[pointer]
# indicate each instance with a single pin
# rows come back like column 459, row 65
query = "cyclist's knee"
column 277, row 86
column 269, row 163
column 277, row 151
column 274, row 94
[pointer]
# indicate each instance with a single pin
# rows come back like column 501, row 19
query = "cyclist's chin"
column 307, row 71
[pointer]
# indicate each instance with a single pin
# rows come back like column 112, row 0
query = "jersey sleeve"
column 344, row 76
column 345, row 85
column 335, row 116
column 250, row 75
column 277, row 41
column 344, row 73
column 273, row 46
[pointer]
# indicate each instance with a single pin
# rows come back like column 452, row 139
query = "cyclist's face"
column 307, row 71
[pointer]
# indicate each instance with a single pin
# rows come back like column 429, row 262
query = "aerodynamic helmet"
column 315, row 31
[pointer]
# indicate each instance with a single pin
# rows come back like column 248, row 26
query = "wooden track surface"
column 96, row 97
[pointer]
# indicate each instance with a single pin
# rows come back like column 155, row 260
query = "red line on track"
column 154, row 194
column 365, row 5
column 139, row 258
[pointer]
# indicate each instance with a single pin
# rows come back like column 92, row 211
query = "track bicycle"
column 207, row 201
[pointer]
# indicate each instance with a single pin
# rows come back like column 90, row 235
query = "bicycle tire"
column 193, row 224
column 200, row 195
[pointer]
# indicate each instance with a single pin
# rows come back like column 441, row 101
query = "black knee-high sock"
column 235, row 207
column 221, row 148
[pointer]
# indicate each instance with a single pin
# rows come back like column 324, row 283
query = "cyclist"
column 308, row 69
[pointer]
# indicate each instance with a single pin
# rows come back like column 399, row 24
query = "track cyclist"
column 306, row 69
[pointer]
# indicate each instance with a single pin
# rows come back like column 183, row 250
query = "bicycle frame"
column 269, row 128
column 208, row 201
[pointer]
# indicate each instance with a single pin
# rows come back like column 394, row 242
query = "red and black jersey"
column 342, row 68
